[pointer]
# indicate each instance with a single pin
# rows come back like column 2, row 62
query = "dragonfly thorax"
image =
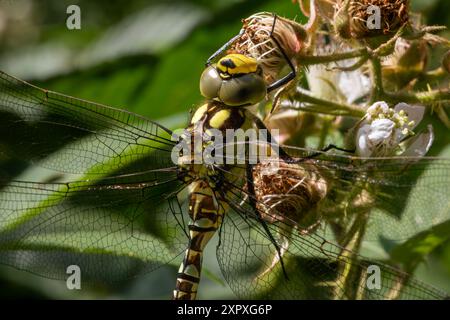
column 204, row 154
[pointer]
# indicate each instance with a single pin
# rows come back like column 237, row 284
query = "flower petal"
column 362, row 141
column 419, row 145
column 354, row 85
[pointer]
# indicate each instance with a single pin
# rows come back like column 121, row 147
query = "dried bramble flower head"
column 287, row 192
column 352, row 18
column 257, row 42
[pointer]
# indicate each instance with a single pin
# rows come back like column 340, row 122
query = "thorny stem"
column 377, row 90
column 305, row 60
column 426, row 97
column 333, row 107
column 388, row 47
column 297, row 99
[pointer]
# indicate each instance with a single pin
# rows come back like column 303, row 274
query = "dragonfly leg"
column 224, row 47
column 334, row 147
column 252, row 201
column 293, row 73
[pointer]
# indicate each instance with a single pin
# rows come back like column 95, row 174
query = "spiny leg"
column 224, row 47
column 291, row 75
column 285, row 80
column 252, row 201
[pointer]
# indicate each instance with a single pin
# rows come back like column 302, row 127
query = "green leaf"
column 415, row 250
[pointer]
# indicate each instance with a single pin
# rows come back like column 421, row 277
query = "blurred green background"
column 145, row 56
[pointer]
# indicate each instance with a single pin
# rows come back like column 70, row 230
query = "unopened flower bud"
column 342, row 21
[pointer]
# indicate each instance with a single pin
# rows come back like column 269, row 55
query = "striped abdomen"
column 206, row 214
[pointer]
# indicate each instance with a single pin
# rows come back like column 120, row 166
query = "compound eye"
column 210, row 82
column 243, row 90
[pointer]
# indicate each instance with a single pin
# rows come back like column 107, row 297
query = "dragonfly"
column 112, row 200
column 114, row 197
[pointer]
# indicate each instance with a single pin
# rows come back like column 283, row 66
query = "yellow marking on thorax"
column 236, row 63
column 219, row 118
column 199, row 113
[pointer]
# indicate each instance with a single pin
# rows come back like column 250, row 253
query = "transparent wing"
column 397, row 197
column 108, row 202
column 91, row 138
column 112, row 229
column 124, row 205
column 402, row 196
column 312, row 265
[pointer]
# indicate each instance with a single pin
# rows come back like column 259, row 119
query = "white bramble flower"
column 385, row 131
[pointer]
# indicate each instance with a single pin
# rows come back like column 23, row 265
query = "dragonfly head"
column 235, row 80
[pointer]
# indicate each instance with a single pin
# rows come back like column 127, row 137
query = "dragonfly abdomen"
column 207, row 215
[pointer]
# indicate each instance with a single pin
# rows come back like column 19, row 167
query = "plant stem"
column 334, row 108
column 425, row 97
column 377, row 77
column 348, row 272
